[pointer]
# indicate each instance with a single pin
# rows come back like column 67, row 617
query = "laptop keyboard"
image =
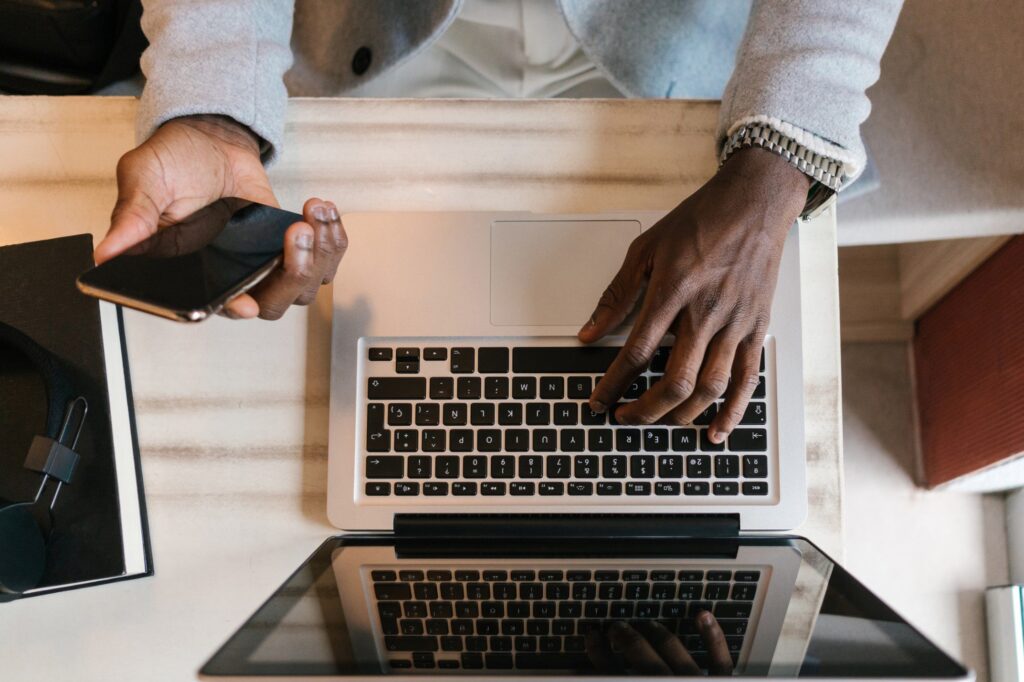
column 466, row 421
column 501, row 618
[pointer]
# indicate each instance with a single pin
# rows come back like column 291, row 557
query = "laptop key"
column 380, row 354
column 549, row 489
column 472, row 661
column 496, row 388
column 627, row 440
column 600, row 440
column 748, row 440
column 587, row 466
column 566, row 414
column 435, row 489
column 510, row 414
column 590, row 418
column 524, row 388
column 552, row 388
column 755, row 466
column 558, row 466
column 407, row 489
column 698, row 466
column 410, row 643
column 670, row 466
column 521, row 488
column 545, row 440
column 538, row 414
column 428, row 414
column 609, row 488
column 727, row 466
column 756, row 414
column 420, row 467
column 385, row 466
column 406, row 440
column 613, row 466
column 492, row 489
column 463, row 360
column 454, row 414
column 503, row 466
column 378, row 489
column 517, row 440
column 434, row 354
column 641, row 466
column 726, row 488
column 638, row 488
column 755, row 488
column 488, row 440
column 460, row 440
column 407, row 367
column 442, row 388
column 695, row 488
column 474, row 466
column 579, row 387
column 498, row 661
column 573, row 440
column 636, row 389
column 666, row 488
column 464, row 489
column 684, row 440
column 706, row 445
column 492, row 360
column 468, row 388
column 655, row 440
column 396, row 388
column 706, row 417
column 747, row 576
column 581, row 488
column 378, row 441
column 481, row 414
column 531, row 466
column 433, row 440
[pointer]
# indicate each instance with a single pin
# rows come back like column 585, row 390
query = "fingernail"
column 304, row 241
column 598, row 406
column 705, row 619
column 715, row 437
column 321, row 213
column 334, row 214
column 618, row 626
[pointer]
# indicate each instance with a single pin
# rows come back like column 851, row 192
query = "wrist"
column 772, row 185
column 224, row 129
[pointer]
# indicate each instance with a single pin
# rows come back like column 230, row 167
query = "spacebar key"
column 562, row 359
column 553, row 662
column 396, row 388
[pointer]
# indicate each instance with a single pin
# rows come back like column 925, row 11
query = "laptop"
column 458, row 384
column 496, row 526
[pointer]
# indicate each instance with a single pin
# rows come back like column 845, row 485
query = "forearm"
column 223, row 57
column 803, row 69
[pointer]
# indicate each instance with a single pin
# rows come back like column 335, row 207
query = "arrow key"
column 385, row 467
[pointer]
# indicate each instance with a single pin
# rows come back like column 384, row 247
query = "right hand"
column 650, row 648
column 192, row 161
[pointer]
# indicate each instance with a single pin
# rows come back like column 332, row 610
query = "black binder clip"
column 57, row 459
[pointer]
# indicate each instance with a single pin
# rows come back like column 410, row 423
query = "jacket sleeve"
column 223, row 57
column 803, row 68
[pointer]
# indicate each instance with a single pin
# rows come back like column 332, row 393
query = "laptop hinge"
column 588, row 526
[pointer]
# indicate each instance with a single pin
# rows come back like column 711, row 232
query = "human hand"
column 705, row 273
column 193, row 161
column 649, row 648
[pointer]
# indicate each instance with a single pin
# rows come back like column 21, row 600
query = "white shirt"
column 498, row 48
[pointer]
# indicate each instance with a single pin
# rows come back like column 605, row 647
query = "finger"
column 712, row 379
column 746, row 366
column 339, row 240
column 717, row 646
column 618, row 299
column 661, row 305
column 680, row 377
column 136, row 213
column 671, row 649
column 639, row 654
column 330, row 244
column 599, row 651
column 287, row 281
column 241, row 307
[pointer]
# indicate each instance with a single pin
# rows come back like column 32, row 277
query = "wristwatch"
column 827, row 173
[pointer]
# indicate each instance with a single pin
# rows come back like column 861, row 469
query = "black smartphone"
column 189, row 270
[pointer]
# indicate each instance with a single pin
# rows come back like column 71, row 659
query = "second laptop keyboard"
column 513, row 420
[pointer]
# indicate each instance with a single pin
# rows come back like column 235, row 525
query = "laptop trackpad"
column 547, row 272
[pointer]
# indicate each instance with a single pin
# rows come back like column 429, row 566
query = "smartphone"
column 188, row 271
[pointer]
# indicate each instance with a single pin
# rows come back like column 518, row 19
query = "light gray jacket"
column 801, row 66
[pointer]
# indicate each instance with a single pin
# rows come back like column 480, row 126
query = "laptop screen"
column 376, row 605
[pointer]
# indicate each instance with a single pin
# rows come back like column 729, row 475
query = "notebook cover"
column 969, row 363
column 40, row 298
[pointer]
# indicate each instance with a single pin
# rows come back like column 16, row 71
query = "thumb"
column 616, row 303
column 136, row 216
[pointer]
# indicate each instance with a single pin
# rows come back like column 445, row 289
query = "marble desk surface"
column 233, row 415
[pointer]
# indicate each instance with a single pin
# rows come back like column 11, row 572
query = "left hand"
column 706, row 273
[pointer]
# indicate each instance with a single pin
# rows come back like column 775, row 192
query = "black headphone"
column 25, row 526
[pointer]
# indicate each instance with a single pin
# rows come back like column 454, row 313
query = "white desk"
column 233, row 415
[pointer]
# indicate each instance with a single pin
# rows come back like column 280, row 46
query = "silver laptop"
column 518, row 534
column 458, row 385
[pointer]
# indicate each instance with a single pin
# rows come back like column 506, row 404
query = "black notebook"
column 100, row 531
